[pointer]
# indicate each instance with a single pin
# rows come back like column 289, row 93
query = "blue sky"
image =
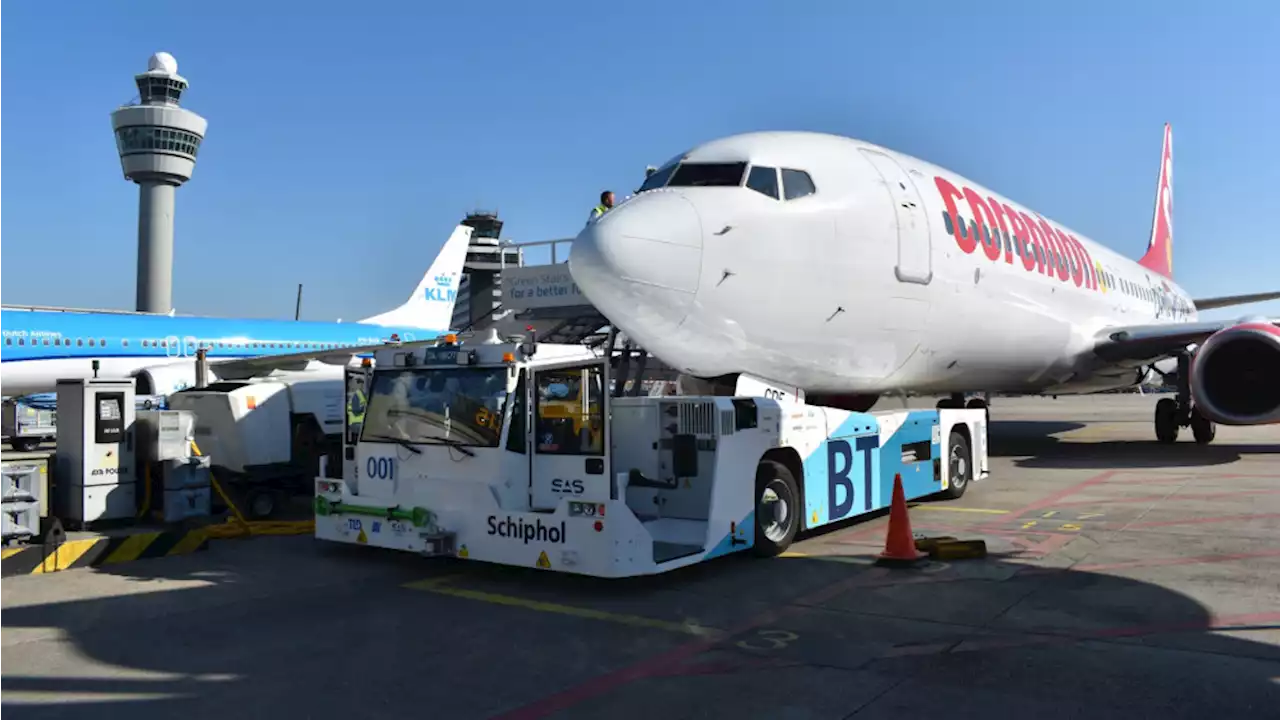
column 346, row 140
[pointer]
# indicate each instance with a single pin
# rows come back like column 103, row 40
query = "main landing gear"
column 957, row 402
column 1173, row 414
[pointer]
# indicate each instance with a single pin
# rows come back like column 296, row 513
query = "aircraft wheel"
column 959, row 466
column 1203, row 429
column 979, row 404
column 1167, row 420
column 777, row 509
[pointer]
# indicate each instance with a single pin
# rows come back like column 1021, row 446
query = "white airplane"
column 842, row 270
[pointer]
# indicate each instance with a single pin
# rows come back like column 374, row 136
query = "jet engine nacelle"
column 166, row 379
column 1235, row 375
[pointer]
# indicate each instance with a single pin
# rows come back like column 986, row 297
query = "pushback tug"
column 518, row 453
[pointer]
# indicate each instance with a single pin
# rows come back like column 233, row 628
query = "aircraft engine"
column 1235, row 375
column 166, row 379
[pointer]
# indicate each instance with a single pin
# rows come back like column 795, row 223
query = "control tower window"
column 160, row 89
column 147, row 138
column 763, row 180
column 708, row 175
column 796, row 184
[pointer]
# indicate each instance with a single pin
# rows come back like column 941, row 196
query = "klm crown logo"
column 442, row 292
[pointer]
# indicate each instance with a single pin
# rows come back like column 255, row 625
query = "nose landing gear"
column 1172, row 414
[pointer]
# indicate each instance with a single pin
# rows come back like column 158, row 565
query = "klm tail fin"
column 1159, row 257
column 431, row 305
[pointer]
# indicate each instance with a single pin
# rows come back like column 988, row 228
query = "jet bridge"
column 545, row 297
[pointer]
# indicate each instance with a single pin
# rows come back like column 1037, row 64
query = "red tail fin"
column 1159, row 257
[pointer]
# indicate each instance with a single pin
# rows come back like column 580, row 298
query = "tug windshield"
column 442, row 406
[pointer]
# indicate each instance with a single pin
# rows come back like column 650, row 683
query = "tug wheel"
column 777, row 509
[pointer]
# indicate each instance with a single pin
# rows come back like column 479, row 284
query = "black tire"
column 25, row 444
column 260, row 504
column 980, row 404
column 1167, row 420
column 960, row 465
column 774, row 477
column 1202, row 428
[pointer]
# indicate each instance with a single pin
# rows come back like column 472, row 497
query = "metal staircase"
column 545, row 298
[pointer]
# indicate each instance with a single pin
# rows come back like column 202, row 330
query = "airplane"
column 42, row 346
column 843, row 271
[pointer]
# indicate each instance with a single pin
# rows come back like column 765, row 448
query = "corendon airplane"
column 842, row 271
column 40, row 346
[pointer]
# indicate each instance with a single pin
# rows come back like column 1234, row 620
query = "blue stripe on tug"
column 852, row 473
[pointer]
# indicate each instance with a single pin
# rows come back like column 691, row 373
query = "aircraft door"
column 569, row 457
column 915, row 252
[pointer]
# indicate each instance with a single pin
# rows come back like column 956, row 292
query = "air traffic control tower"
column 480, row 291
column 158, row 142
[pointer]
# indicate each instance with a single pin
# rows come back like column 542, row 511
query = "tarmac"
column 1126, row 579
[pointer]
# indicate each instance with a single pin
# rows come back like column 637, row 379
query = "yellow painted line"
column 189, row 543
column 10, row 552
column 437, row 585
column 944, row 508
column 131, row 548
column 829, row 558
column 65, row 556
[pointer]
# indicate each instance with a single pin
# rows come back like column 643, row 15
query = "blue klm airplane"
column 42, row 346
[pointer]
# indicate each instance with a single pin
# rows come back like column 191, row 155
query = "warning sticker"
column 462, row 552
column 362, row 538
column 544, row 562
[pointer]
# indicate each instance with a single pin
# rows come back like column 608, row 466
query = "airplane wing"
column 1155, row 342
column 262, row 365
column 1230, row 300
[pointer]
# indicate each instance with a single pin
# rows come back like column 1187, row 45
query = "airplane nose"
column 644, row 256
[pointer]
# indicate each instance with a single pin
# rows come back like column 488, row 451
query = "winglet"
column 1159, row 257
column 431, row 305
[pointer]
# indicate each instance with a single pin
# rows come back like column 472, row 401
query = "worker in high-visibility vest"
column 606, row 203
column 356, row 403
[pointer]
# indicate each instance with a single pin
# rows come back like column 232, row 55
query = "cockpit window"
column 658, row 179
column 708, row 175
column 764, row 180
column 796, row 184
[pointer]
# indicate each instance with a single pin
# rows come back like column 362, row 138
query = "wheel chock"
column 927, row 544
column 959, row 550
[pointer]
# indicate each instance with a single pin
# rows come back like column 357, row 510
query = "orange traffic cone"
column 899, row 543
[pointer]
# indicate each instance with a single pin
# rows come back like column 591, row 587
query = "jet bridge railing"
column 557, row 248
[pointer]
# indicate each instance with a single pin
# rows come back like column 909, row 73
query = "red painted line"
column 1171, row 496
column 1051, row 544
column 654, row 666
column 1162, row 562
column 1189, row 479
column 661, row 664
column 1211, row 624
column 1055, row 498
column 1203, row 520
column 1225, row 621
